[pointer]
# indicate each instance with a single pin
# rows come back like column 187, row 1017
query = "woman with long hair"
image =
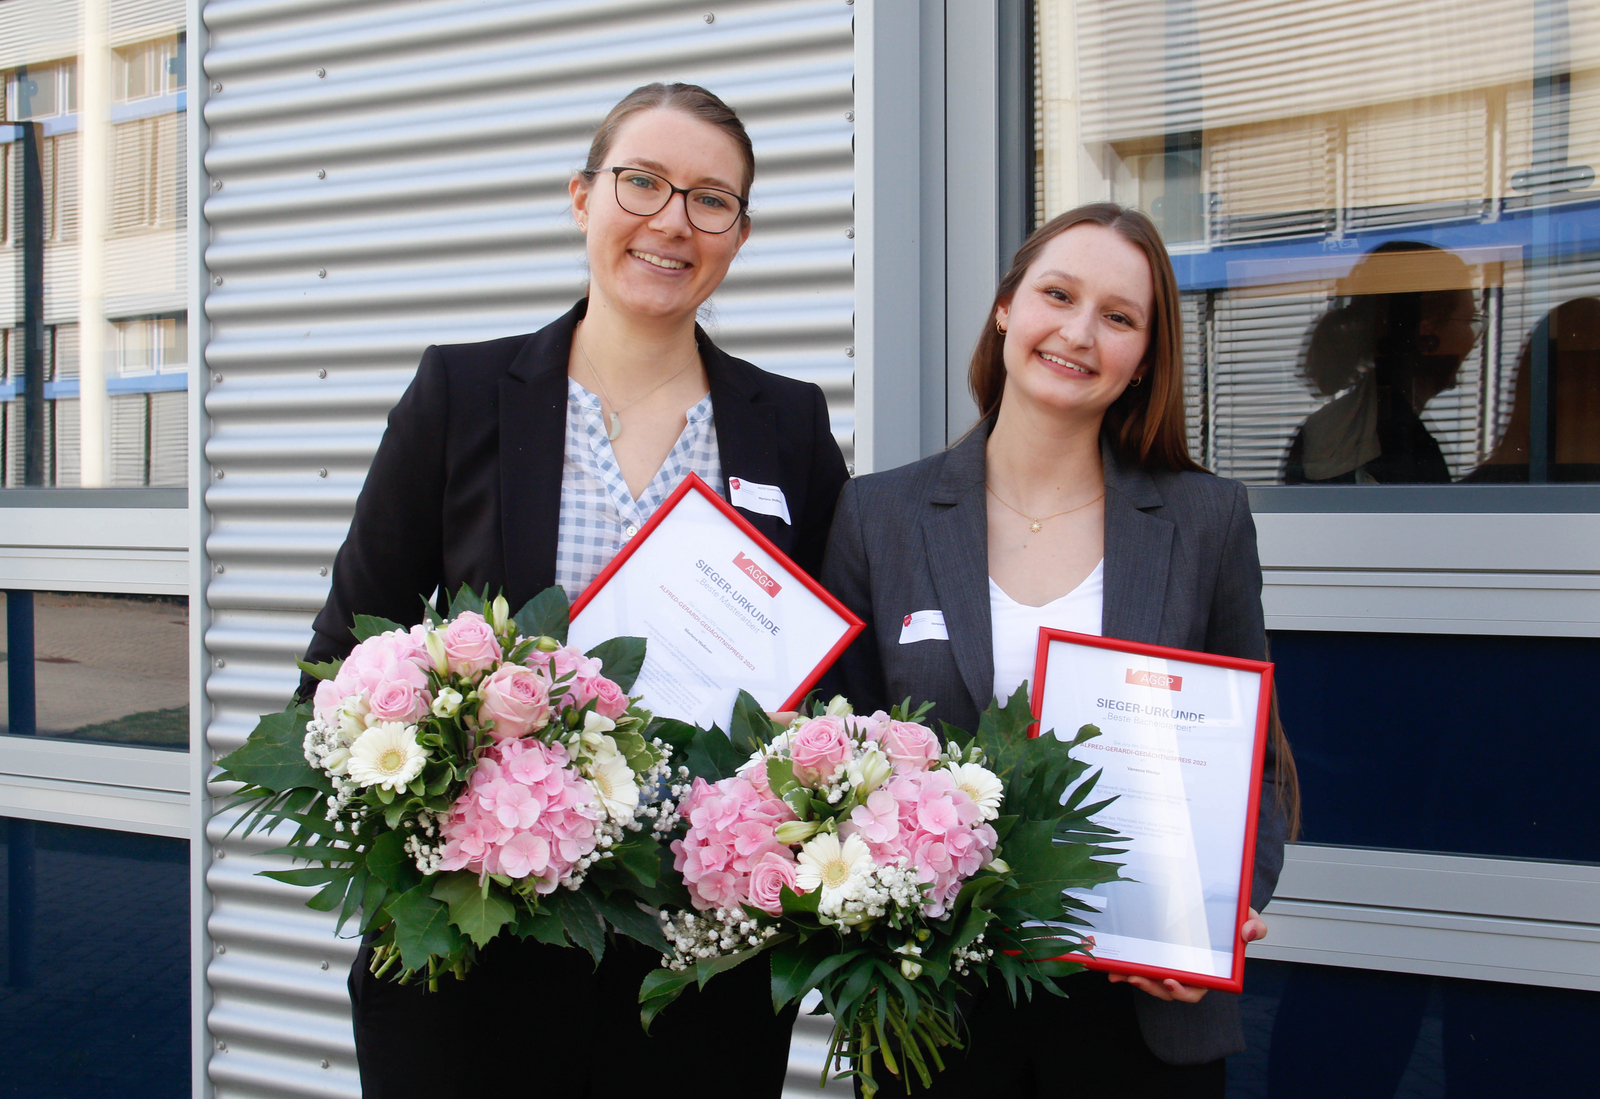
column 528, row 461
column 1074, row 504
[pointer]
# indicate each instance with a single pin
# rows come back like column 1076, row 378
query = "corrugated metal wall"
column 386, row 175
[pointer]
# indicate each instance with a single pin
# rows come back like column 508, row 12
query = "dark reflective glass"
column 1455, row 744
column 95, row 1002
column 1330, row 1032
column 710, row 209
column 107, row 668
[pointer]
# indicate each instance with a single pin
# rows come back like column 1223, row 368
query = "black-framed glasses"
column 710, row 209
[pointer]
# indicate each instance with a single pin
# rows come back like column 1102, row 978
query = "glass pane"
column 95, row 1003
column 1384, row 222
column 107, row 668
column 1326, row 1032
column 113, row 236
column 1455, row 744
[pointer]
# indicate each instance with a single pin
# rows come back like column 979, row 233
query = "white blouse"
column 1016, row 627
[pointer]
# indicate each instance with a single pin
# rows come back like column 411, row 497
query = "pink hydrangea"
column 730, row 830
column 391, row 669
column 526, row 813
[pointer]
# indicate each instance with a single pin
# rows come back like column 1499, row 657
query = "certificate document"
column 1181, row 746
column 721, row 608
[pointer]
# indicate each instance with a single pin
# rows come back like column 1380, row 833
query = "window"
column 37, row 92
column 148, row 69
column 1384, row 223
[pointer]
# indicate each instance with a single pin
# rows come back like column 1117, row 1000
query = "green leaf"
column 543, row 925
column 710, row 967
column 660, row 988
column 546, row 614
column 388, row 861
column 583, row 923
column 620, row 659
column 479, row 914
column 320, row 671
column 352, row 898
column 365, row 626
column 422, row 927
column 373, row 900
column 467, row 600
column 798, row 966
column 780, row 775
column 630, row 920
column 750, row 729
column 642, row 860
column 454, row 886
column 678, row 735
column 1041, row 869
column 429, row 615
column 309, row 875
column 274, row 756
column 712, row 757
column 332, row 895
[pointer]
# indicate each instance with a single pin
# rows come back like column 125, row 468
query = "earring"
column 1138, row 380
column 997, row 327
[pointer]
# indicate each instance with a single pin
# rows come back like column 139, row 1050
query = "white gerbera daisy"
column 613, row 784
column 832, row 866
column 981, row 785
column 387, row 755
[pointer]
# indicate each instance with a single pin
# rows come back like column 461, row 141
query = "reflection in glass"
column 95, row 998
column 112, row 243
column 111, row 669
column 1464, row 129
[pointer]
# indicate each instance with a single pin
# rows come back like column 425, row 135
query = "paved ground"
column 101, row 660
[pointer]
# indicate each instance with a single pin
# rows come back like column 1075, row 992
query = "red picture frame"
column 1235, row 981
column 694, row 483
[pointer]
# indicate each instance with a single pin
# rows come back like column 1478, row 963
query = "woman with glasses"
column 528, row 461
column 1073, row 504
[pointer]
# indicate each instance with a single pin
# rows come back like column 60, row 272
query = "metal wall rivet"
column 321, row 73
column 850, row 234
column 221, row 663
column 322, row 272
column 323, row 472
column 324, row 1062
column 849, row 352
column 323, row 373
column 217, row 378
column 219, row 853
column 219, row 474
column 221, row 569
column 849, row 116
column 221, row 949
column 711, row 17
column 216, row 184
column 324, row 965
column 216, row 280
column 323, row 571
column 223, row 1046
column 216, row 85
column 321, row 174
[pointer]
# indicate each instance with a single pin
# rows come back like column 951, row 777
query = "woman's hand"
column 784, row 717
column 1254, row 928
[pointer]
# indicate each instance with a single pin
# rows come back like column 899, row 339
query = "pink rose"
column 470, row 644
column 910, row 747
column 516, row 699
column 396, row 700
column 767, row 879
column 609, row 699
column 819, row 749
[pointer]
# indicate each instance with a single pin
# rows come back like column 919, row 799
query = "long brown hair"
column 1146, row 422
column 692, row 100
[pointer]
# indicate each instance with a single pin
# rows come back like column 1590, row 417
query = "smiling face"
column 659, row 267
column 1078, row 326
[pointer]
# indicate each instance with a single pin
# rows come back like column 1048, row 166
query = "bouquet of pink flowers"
column 864, row 856
column 468, row 777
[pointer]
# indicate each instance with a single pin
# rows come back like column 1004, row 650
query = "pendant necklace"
column 614, row 424
column 1039, row 522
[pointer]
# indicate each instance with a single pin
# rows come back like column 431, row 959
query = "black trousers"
column 1086, row 1045
column 537, row 1020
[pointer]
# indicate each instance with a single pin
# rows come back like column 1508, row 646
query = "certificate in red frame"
column 715, row 610
column 1148, row 702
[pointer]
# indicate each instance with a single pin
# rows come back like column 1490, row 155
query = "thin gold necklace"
column 614, row 425
column 1038, row 523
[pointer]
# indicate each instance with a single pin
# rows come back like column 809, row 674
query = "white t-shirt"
column 1016, row 627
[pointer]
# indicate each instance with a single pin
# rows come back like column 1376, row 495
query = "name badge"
column 761, row 499
column 923, row 626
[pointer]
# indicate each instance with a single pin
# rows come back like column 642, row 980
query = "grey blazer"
column 1181, row 569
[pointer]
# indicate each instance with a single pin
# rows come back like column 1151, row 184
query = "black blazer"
column 466, row 485
column 1181, row 569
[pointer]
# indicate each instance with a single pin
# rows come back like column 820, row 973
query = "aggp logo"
column 1156, row 679
column 758, row 574
column 733, row 483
